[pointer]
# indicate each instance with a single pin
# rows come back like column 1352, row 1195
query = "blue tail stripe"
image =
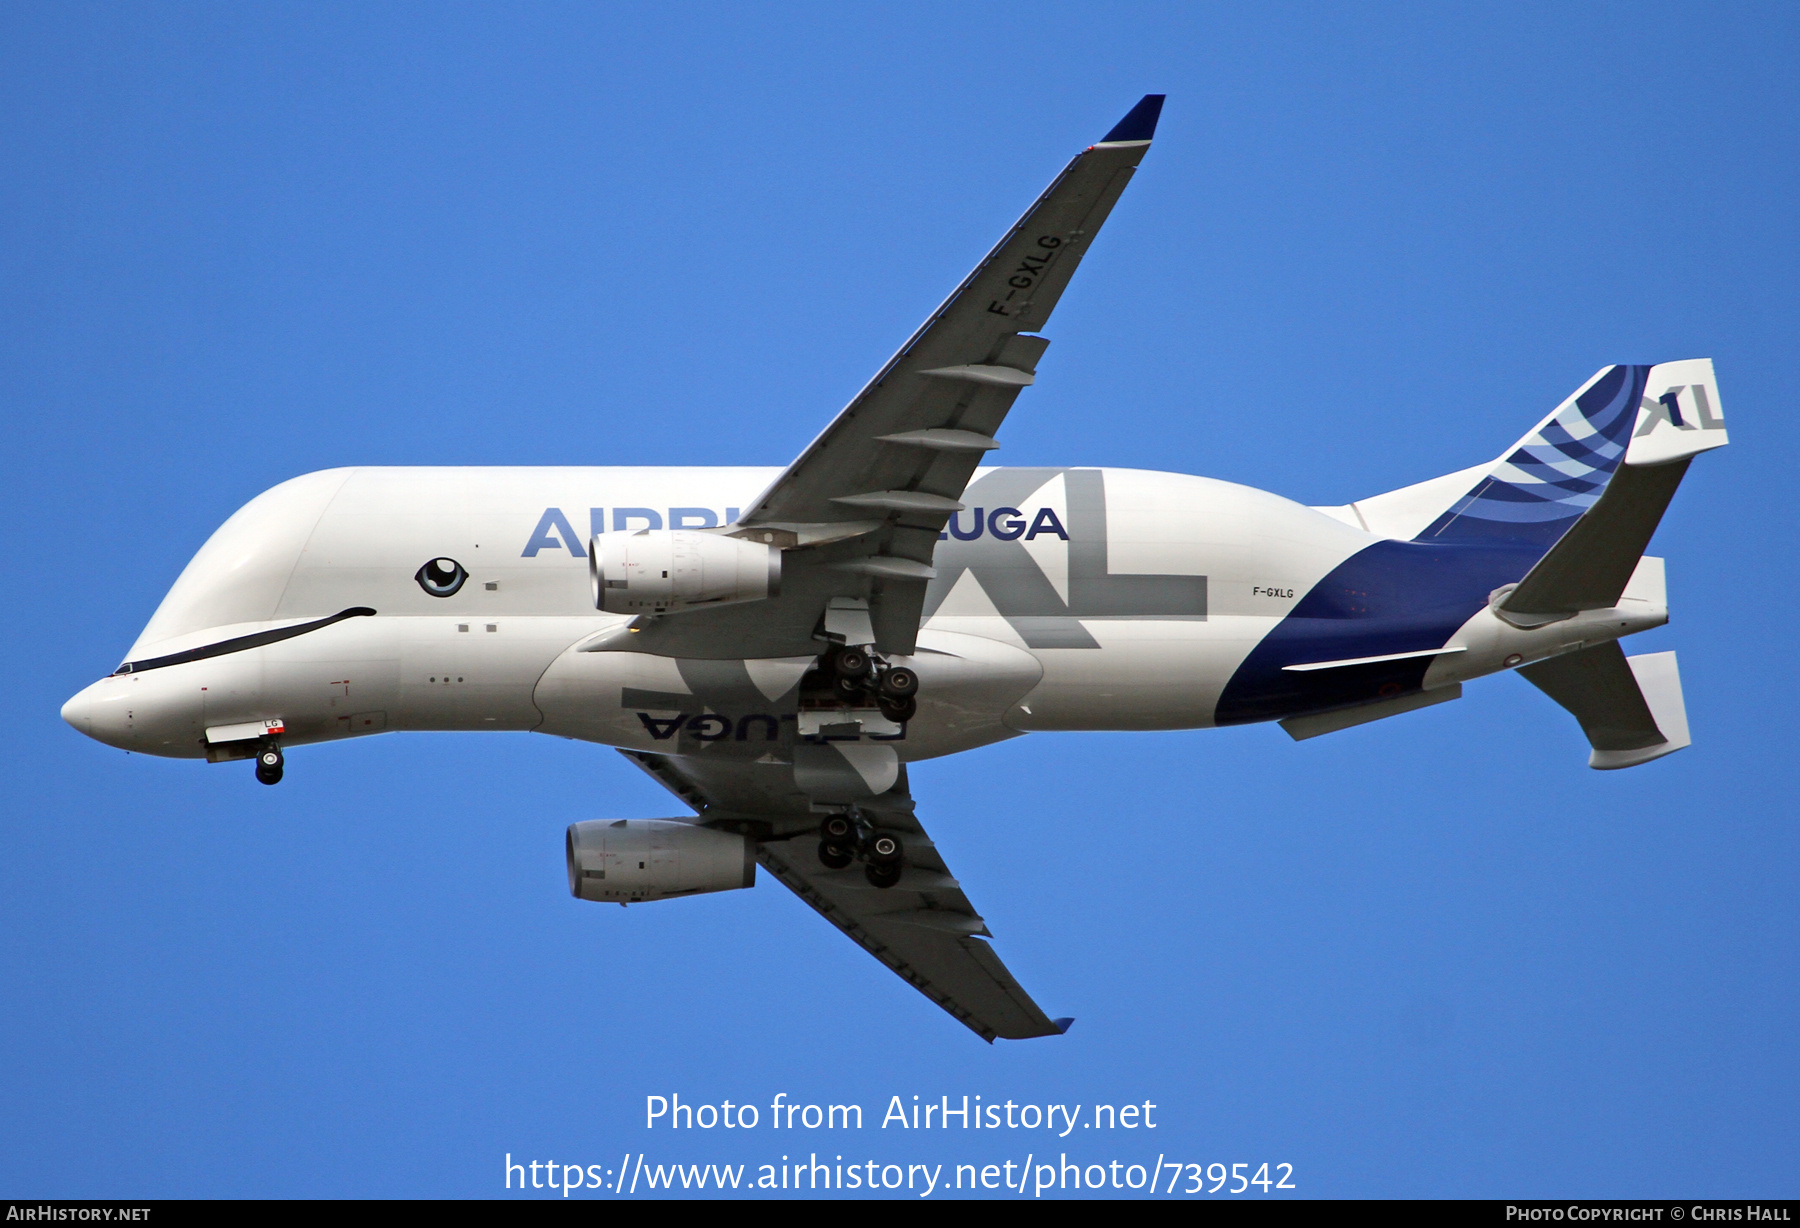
column 1550, row 477
column 1538, row 498
column 1553, row 468
column 1400, row 597
column 1539, row 512
column 1586, row 451
column 1390, row 597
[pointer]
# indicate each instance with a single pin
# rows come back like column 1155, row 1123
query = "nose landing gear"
column 268, row 765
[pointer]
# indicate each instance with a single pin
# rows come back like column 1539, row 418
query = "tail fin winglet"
column 1630, row 708
column 1680, row 414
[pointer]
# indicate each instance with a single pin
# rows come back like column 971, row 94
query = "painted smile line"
column 243, row 642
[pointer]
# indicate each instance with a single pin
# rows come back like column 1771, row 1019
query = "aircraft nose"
column 79, row 711
column 158, row 713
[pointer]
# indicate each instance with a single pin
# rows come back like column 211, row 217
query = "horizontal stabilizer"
column 1630, row 708
column 1589, row 568
column 1312, row 725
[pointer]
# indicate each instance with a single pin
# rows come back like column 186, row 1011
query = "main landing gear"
column 852, row 676
column 837, row 841
column 845, row 837
column 268, row 765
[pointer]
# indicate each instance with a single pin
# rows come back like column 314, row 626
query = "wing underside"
column 859, row 513
column 857, row 518
column 923, row 929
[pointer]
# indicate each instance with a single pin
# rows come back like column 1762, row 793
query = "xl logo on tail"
column 1667, row 408
column 1684, row 419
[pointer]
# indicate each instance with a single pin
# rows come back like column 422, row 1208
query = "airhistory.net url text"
column 638, row 1176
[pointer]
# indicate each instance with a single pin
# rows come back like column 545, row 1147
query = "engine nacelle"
column 654, row 571
column 624, row 861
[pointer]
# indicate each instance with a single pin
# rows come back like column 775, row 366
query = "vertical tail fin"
column 1537, row 489
column 1588, row 567
column 1550, row 477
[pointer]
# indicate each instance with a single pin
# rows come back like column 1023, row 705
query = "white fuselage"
column 1030, row 624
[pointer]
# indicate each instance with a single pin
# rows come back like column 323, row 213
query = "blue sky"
column 1433, row 956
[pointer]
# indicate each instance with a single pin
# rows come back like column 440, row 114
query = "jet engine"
column 655, row 571
column 626, row 861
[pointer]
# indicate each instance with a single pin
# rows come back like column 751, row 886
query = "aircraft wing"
column 859, row 513
column 923, row 928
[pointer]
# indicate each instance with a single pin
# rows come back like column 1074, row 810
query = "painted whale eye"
column 441, row 577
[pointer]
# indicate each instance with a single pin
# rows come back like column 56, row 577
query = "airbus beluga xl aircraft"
column 775, row 646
